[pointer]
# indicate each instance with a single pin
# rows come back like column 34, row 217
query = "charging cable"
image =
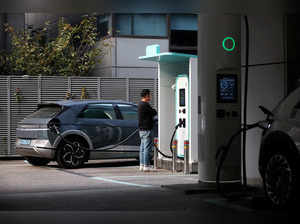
column 55, row 129
column 100, row 149
column 172, row 138
column 223, row 150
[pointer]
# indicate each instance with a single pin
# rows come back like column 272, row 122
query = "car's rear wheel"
column 71, row 154
column 35, row 161
column 281, row 179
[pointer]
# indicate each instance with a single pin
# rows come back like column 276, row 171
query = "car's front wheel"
column 35, row 161
column 71, row 154
column 281, row 179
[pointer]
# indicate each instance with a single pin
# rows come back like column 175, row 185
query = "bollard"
column 186, row 157
column 155, row 153
column 174, row 159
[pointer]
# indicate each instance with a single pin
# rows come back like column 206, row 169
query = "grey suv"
column 72, row 132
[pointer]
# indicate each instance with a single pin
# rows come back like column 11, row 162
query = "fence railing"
column 19, row 96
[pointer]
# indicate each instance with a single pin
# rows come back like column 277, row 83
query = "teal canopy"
column 153, row 54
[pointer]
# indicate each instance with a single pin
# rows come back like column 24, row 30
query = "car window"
column 128, row 112
column 99, row 111
column 45, row 112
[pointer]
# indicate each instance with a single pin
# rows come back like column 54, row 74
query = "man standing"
column 146, row 114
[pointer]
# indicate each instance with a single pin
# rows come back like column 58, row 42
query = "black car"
column 72, row 132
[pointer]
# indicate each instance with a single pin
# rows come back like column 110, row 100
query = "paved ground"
column 116, row 192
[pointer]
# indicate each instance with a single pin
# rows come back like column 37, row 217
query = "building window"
column 183, row 33
column 123, row 25
column 141, row 25
column 187, row 22
column 103, row 25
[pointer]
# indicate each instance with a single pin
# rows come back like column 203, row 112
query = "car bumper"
column 36, row 148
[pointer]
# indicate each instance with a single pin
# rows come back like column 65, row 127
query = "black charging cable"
column 171, row 142
column 245, row 101
column 223, row 151
column 222, row 154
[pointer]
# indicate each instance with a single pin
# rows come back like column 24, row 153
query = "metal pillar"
column 155, row 153
column 174, row 159
column 186, row 169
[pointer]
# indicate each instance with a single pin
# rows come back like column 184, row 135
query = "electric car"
column 279, row 163
column 72, row 132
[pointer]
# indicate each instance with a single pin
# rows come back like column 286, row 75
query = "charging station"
column 177, row 85
column 182, row 112
column 205, row 94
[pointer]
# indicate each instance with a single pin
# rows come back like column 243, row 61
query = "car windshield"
column 45, row 112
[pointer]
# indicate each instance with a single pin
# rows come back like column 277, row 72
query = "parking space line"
column 120, row 182
column 14, row 165
column 17, row 164
column 154, row 175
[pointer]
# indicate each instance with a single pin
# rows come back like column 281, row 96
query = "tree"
column 4, row 64
column 72, row 52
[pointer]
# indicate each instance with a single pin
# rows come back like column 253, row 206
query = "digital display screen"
column 226, row 88
column 182, row 97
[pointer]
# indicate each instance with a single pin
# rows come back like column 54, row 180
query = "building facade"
column 129, row 34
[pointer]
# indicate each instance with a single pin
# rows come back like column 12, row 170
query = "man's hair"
column 145, row 92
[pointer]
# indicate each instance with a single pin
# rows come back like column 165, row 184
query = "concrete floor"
column 116, row 192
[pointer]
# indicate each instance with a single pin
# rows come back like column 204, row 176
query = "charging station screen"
column 226, row 88
column 182, row 97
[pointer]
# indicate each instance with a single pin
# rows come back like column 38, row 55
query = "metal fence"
column 19, row 97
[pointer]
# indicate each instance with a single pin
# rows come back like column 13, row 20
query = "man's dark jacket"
column 146, row 114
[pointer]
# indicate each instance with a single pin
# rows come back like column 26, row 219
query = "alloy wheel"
column 72, row 155
column 278, row 180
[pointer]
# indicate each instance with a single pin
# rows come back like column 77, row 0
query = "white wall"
column 266, row 82
column 104, row 69
column 129, row 49
column 266, row 39
column 126, row 63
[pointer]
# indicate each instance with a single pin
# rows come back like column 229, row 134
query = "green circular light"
column 233, row 44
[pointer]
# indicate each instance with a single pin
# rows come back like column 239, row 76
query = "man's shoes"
column 141, row 167
column 148, row 169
